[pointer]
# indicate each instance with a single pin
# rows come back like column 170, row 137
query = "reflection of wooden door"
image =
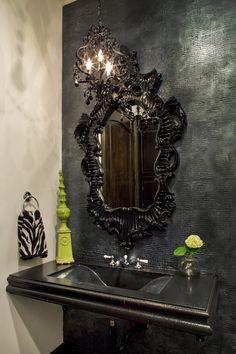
column 128, row 156
column 117, row 160
column 147, row 155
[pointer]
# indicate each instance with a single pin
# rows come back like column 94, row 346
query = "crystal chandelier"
column 101, row 61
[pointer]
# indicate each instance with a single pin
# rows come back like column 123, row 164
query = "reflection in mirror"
column 128, row 156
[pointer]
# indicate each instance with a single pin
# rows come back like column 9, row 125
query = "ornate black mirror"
column 128, row 140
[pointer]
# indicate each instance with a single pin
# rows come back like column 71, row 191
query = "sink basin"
column 115, row 277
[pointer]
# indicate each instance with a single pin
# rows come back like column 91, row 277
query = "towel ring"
column 27, row 199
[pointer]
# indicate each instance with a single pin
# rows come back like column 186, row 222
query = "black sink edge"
column 88, row 291
column 188, row 323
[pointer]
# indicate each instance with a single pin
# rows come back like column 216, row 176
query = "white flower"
column 194, row 241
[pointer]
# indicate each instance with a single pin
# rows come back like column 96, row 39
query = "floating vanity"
column 149, row 296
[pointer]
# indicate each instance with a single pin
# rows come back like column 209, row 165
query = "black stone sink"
column 115, row 277
column 161, row 297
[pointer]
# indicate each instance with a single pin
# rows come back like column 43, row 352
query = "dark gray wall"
column 192, row 43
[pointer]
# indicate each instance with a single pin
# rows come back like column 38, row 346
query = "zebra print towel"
column 31, row 235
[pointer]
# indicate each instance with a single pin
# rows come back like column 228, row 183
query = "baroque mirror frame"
column 120, row 93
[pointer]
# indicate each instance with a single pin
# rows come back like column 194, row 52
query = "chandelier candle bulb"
column 89, row 65
column 109, row 68
column 100, row 56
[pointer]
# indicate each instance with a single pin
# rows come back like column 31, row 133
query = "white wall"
column 30, row 157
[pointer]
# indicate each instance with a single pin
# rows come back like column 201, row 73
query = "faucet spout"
column 123, row 262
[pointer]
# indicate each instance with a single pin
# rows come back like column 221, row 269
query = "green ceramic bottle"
column 64, row 245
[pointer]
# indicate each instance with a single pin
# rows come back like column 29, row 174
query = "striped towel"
column 31, row 235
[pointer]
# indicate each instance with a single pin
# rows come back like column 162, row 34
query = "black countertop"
column 184, row 304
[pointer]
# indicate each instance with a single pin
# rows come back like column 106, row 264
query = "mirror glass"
column 128, row 155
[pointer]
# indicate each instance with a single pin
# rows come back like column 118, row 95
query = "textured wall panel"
column 192, row 43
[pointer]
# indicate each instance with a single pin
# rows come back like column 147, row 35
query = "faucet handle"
column 140, row 262
column 112, row 262
column 126, row 262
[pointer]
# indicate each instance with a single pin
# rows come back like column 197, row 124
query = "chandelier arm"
column 84, row 72
column 83, row 81
column 118, row 52
column 120, row 73
column 80, row 50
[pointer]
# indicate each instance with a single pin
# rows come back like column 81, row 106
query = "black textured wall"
column 192, row 43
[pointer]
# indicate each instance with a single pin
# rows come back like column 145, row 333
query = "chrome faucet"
column 139, row 263
column 120, row 262
column 112, row 262
column 124, row 262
